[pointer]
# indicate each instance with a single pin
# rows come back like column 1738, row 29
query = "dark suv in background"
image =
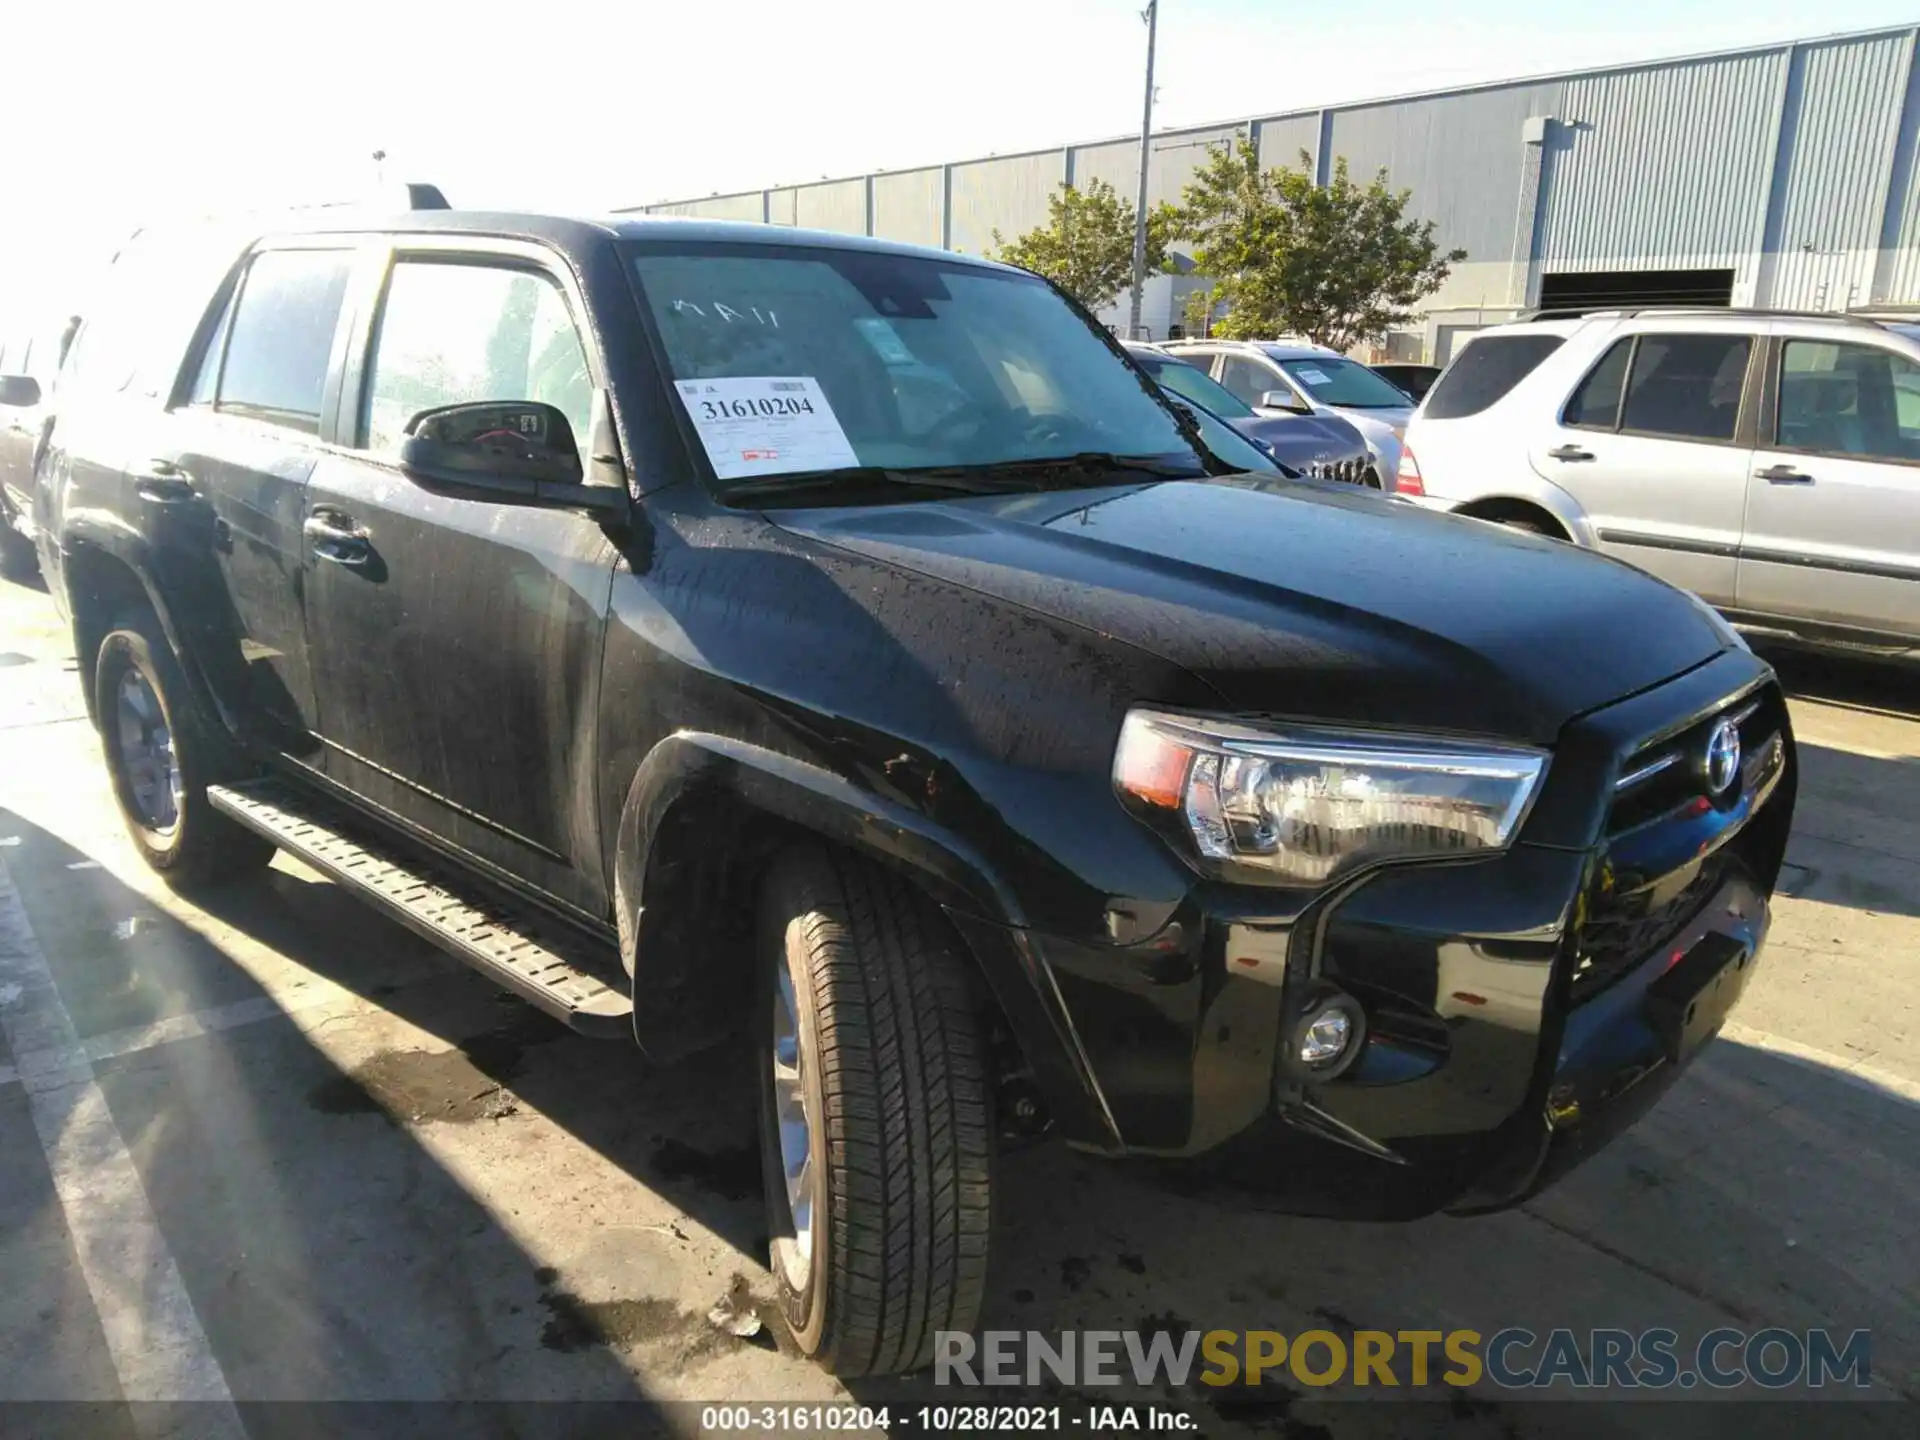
column 698, row 626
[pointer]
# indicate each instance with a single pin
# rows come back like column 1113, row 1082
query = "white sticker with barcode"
column 1312, row 376
column 766, row 425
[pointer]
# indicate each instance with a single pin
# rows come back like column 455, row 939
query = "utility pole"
column 1152, row 16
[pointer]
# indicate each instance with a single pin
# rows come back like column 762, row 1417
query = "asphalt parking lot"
column 269, row 1147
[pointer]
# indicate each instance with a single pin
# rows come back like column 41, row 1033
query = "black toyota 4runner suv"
column 699, row 627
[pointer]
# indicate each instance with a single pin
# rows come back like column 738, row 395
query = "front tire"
column 875, row 1135
column 161, row 758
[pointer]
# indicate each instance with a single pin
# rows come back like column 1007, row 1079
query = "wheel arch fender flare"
column 88, row 540
column 806, row 797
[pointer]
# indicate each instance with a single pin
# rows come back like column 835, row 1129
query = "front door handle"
column 1569, row 452
column 337, row 539
column 1783, row 475
column 162, row 479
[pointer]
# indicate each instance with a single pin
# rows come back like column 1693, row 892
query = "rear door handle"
column 1783, row 475
column 1569, row 452
column 336, row 538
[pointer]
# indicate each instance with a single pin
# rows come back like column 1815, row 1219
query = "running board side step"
column 515, row 945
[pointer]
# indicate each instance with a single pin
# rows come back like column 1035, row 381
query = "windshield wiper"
column 943, row 478
column 994, row 477
column 1085, row 463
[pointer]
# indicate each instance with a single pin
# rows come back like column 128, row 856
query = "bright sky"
column 124, row 112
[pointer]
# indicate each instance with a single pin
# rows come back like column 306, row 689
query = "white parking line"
column 320, row 1001
column 158, row 1348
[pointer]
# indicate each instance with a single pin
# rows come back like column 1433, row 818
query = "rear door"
column 1833, row 508
column 236, row 455
column 456, row 643
column 1653, row 443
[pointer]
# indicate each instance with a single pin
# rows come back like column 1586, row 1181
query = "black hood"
column 1303, row 441
column 1296, row 598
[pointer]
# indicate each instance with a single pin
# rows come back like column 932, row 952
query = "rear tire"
column 161, row 757
column 873, row 1068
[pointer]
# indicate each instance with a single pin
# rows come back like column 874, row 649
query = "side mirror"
column 19, row 390
column 1284, row 400
column 514, row 452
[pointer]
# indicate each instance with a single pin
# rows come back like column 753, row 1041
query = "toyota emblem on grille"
column 1723, row 757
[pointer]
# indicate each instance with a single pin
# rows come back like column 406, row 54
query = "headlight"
column 1307, row 806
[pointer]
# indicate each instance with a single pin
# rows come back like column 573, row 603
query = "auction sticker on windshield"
column 766, row 425
column 1312, row 376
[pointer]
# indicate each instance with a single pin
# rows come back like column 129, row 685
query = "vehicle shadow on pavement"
column 1890, row 687
column 1761, row 1191
column 331, row 1249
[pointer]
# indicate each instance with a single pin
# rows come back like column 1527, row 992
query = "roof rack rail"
column 1628, row 312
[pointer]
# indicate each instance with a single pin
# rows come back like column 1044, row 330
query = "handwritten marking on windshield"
column 728, row 313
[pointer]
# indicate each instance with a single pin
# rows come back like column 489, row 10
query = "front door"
column 1833, row 497
column 456, row 643
column 1250, row 380
column 1649, row 445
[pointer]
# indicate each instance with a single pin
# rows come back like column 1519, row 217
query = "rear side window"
column 1485, row 371
column 1686, row 386
column 281, row 336
column 1596, row 404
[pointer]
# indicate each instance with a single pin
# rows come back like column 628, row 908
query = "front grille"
column 1653, row 882
column 1622, row 931
column 1666, row 773
column 1348, row 472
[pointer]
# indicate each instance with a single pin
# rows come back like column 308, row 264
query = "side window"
column 1596, row 404
column 206, row 382
column 1848, row 400
column 1485, row 371
column 1246, row 379
column 281, row 336
column 452, row 332
column 1686, row 386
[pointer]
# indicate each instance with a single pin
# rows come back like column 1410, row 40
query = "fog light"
column 1326, row 1036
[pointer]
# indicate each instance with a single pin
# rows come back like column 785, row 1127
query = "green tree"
column 1339, row 263
column 1086, row 246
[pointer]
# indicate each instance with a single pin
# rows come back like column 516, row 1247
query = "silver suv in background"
column 1296, row 378
column 1768, row 461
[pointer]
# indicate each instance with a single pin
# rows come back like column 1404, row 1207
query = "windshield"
column 798, row 361
column 1330, row 380
column 1195, row 384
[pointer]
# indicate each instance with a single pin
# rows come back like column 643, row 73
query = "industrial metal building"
column 1776, row 176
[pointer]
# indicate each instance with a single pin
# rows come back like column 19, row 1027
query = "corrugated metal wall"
column 1009, row 193
column 907, row 205
column 1666, row 164
column 1793, row 165
column 716, row 207
column 1170, row 163
column 1844, row 105
column 1459, row 154
column 1284, row 137
column 838, row 205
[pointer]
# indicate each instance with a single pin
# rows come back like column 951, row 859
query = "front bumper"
column 1521, row 1010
